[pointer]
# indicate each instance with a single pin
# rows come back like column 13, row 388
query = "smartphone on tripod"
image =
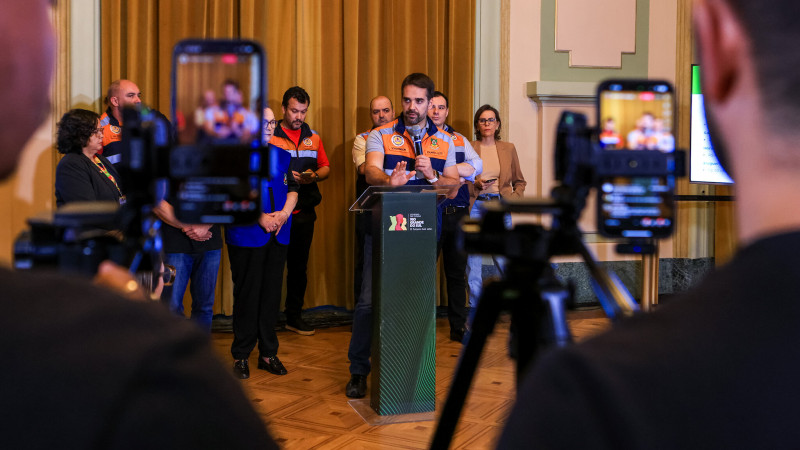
column 635, row 116
column 217, row 106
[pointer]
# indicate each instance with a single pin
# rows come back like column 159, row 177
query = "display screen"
column 216, row 98
column 217, row 109
column 704, row 166
column 636, row 115
column 636, row 207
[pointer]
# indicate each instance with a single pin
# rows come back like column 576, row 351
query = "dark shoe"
column 298, row 325
column 241, row 369
column 272, row 365
column 356, row 387
column 457, row 334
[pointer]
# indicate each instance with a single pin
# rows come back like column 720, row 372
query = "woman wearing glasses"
column 501, row 177
column 83, row 174
column 257, row 254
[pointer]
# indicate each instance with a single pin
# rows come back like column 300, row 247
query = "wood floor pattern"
column 307, row 408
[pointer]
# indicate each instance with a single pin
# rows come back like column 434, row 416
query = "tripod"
column 528, row 277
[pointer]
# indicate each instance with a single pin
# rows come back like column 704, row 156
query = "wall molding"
column 546, row 92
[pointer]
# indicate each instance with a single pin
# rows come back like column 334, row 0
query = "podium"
column 404, row 222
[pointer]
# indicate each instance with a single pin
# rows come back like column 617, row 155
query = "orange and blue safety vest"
column 462, row 198
column 305, row 155
column 398, row 146
column 112, row 137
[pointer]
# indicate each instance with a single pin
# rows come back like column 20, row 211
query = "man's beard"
column 410, row 121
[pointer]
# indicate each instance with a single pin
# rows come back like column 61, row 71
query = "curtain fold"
column 343, row 52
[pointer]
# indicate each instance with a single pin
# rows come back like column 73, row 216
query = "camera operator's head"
column 27, row 56
column 748, row 55
column 79, row 131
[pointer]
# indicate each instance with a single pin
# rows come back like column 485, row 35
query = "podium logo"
column 398, row 223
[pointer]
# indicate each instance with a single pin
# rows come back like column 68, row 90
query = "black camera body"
column 73, row 240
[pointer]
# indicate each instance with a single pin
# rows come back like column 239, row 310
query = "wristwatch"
column 433, row 180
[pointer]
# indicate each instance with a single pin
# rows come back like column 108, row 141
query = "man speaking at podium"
column 718, row 366
column 408, row 150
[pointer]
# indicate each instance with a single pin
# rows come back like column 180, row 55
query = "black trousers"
column 297, row 260
column 362, row 223
column 257, row 274
column 455, row 266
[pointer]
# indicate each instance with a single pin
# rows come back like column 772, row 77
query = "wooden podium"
column 404, row 222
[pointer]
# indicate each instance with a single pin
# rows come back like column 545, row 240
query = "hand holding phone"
column 483, row 184
column 309, row 176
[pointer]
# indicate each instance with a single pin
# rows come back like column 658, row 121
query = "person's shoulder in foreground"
column 715, row 368
column 84, row 368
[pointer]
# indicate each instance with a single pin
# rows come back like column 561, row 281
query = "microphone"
column 416, row 134
column 417, row 145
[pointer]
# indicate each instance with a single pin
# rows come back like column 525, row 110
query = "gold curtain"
column 343, row 52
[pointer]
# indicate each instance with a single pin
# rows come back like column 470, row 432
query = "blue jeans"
column 475, row 262
column 201, row 269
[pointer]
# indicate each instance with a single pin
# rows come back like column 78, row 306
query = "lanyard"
column 104, row 171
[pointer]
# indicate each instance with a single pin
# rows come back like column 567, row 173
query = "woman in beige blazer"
column 501, row 177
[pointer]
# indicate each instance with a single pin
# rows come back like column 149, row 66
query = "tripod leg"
column 538, row 317
column 489, row 307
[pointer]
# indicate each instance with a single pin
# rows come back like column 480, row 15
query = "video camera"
column 209, row 163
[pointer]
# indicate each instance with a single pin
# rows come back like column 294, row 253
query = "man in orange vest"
column 121, row 93
column 309, row 166
column 409, row 150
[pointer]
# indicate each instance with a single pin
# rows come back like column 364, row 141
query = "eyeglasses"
column 270, row 123
column 490, row 120
column 98, row 131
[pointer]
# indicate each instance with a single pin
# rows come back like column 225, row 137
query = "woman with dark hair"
column 501, row 177
column 83, row 174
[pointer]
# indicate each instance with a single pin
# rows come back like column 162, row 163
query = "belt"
column 485, row 197
column 452, row 209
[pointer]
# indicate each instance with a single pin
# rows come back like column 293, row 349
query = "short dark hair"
column 774, row 35
column 441, row 94
column 478, row 113
column 297, row 93
column 419, row 80
column 231, row 82
column 74, row 130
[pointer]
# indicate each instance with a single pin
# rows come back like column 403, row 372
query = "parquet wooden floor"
column 307, row 408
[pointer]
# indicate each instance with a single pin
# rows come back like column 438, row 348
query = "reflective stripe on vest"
column 400, row 147
column 305, row 153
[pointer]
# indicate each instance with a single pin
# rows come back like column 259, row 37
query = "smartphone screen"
column 636, row 115
column 217, row 105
